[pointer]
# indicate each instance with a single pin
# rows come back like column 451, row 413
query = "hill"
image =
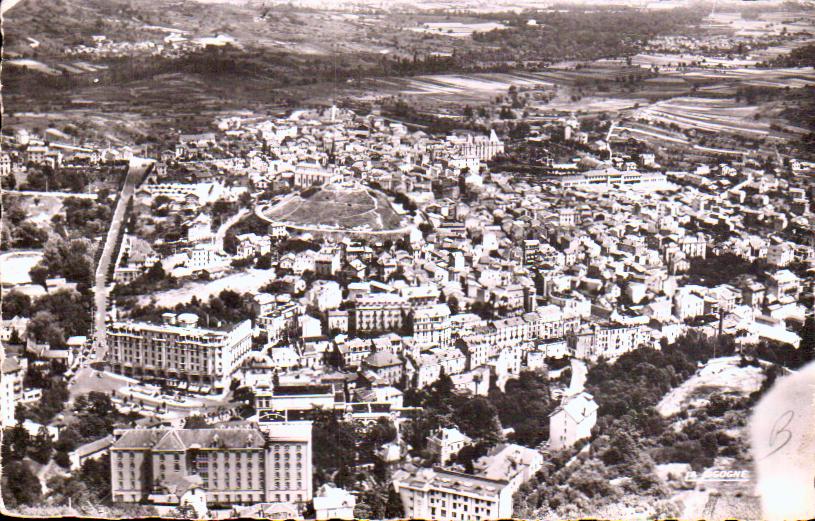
column 337, row 207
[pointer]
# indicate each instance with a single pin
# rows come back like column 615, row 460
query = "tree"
column 155, row 273
column 41, row 446
column 196, row 421
column 62, row 459
column 95, row 474
column 478, row 419
column 65, row 489
column 393, row 507
column 20, row 486
column 15, row 443
column 29, row 235
column 16, row 304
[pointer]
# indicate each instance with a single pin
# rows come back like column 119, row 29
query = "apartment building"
column 380, row 312
column 231, row 465
column 179, row 349
column 608, row 340
column 445, row 494
column 431, row 325
column 11, row 389
column 279, row 317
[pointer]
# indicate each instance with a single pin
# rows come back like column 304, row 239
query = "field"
column 14, row 267
column 456, row 29
column 335, row 208
column 712, row 115
column 241, row 282
column 39, row 209
column 722, row 375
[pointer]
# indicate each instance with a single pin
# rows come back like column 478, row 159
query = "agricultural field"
column 457, row 29
column 713, row 115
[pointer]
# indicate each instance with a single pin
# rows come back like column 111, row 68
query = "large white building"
column 271, row 463
column 179, row 349
column 380, row 312
column 445, row 494
column 611, row 178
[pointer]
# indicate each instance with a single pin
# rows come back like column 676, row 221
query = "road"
column 229, row 223
column 135, row 174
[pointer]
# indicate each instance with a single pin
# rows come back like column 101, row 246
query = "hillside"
column 337, row 207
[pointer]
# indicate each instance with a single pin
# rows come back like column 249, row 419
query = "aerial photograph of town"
column 386, row 259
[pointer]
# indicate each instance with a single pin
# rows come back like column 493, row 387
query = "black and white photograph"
column 449, row 260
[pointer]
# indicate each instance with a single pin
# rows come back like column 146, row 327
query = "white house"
column 334, row 503
column 446, row 443
column 572, row 420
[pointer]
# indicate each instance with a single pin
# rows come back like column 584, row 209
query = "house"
column 88, row 451
column 572, row 420
column 338, row 320
column 385, row 366
column 446, row 443
column 334, row 503
column 785, row 286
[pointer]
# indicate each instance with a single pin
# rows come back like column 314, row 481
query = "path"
column 8, row 4
column 221, row 233
column 62, row 195
column 135, row 175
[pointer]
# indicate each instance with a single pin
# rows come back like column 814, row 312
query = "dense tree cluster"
column 72, row 259
column 630, row 436
column 228, row 307
column 577, row 34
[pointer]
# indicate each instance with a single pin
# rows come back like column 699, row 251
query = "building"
column 310, row 174
column 280, row 317
column 11, row 388
column 572, row 421
column 380, row 312
column 445, row 494
column 611, row 178
column 231, row 465
column 785, row 286
column 780, row 254
column 514, row 463
column 386, row 366
column 292, row 398
column 481, row 147
column 179, row 349
column 608, row 340
column 431, row 326
column 446, row 443
column 93, row 450
column 334, row 503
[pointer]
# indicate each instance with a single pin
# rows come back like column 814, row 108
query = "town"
column 335, row 312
